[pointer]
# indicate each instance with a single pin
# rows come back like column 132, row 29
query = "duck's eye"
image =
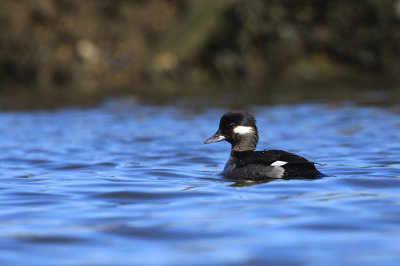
column 231, row 124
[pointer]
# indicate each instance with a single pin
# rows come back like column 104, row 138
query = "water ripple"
column 124, row 183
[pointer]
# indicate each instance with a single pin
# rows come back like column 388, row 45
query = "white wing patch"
column 278, row 163
column 243, row 130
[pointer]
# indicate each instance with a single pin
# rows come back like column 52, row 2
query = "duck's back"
column 268, row 164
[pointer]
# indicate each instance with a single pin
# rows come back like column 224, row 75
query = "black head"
column 238, row 128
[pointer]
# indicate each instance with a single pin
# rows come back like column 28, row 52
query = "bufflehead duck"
column 240, row 130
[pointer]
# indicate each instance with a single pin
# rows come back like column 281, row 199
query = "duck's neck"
column 246, row 143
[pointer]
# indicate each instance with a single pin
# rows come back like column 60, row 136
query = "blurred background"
column 71, row 51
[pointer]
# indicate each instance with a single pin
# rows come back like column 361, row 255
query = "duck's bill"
column 217, row 137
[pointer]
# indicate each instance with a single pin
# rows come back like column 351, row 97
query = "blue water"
column 126, row 183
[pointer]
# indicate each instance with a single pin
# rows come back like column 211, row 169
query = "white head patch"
column 278, row 163
column 243, row 130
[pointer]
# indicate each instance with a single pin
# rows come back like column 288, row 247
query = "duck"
column 240, row 130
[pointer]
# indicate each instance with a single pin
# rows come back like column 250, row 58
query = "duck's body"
column 260, row 165
column 239, row 128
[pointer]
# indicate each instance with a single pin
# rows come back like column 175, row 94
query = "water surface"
column 126, row 183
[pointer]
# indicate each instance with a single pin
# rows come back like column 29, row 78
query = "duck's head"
column 238, row 128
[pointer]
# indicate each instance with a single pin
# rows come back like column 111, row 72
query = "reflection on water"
column 125, row 183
